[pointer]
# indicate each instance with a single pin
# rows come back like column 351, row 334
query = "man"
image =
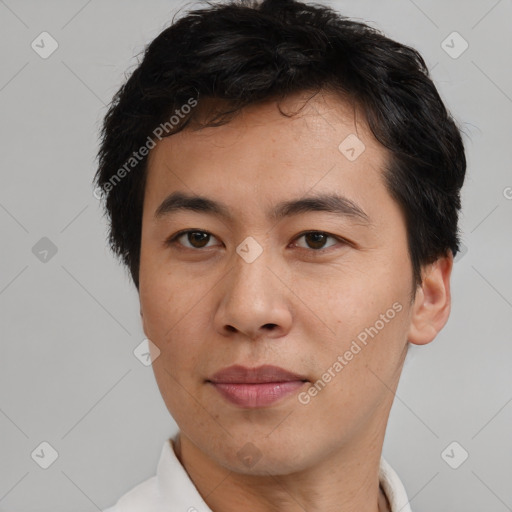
column 284, row 185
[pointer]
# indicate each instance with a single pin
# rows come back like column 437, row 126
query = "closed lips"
column 238, row 374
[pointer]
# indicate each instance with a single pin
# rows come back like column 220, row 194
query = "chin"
column 263, row 457
column 264, row 466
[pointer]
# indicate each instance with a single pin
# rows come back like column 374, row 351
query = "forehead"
column 325, row 145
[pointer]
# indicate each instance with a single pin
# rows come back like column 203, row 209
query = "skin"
column 206, row 308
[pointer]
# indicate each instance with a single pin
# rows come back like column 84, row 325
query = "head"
column 253, row 107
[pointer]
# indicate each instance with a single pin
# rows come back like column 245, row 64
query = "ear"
column 432, row 304
column 142, row 320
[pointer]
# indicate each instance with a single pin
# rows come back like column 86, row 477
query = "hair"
column 245, row 52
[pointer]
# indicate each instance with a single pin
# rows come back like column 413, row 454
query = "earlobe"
column 432, row 304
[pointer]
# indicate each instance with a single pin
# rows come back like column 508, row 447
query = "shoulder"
column 141, row 498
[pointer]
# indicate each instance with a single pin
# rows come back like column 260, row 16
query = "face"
column 319, row 289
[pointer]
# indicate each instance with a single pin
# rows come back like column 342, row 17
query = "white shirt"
column 172, row 487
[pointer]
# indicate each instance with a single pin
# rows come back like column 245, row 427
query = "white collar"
column 173, row 486
column 393, row 488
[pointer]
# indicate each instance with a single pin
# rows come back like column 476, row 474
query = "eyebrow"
column 331, row 202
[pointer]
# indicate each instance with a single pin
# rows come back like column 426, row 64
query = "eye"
column 196, row 237
column 316, row 239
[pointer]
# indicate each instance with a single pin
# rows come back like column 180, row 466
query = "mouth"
column 256, row 387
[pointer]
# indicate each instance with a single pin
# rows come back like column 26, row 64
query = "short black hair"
column 244, row 52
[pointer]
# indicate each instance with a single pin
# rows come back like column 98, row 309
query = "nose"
column 255, row 300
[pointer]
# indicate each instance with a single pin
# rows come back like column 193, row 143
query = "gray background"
column 69, row 325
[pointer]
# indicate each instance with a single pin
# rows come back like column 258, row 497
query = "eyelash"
column 174, row 238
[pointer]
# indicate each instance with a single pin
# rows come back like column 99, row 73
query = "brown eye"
column 317, row 239
column 196, row 239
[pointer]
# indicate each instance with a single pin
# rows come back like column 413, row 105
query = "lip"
column 237, row 374
column 256, row 387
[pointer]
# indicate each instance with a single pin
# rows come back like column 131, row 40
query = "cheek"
column 155, row 310
column 340, row 299
column 181, row 397
column 164, row 301
column 174, row 319
column 367, row 306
